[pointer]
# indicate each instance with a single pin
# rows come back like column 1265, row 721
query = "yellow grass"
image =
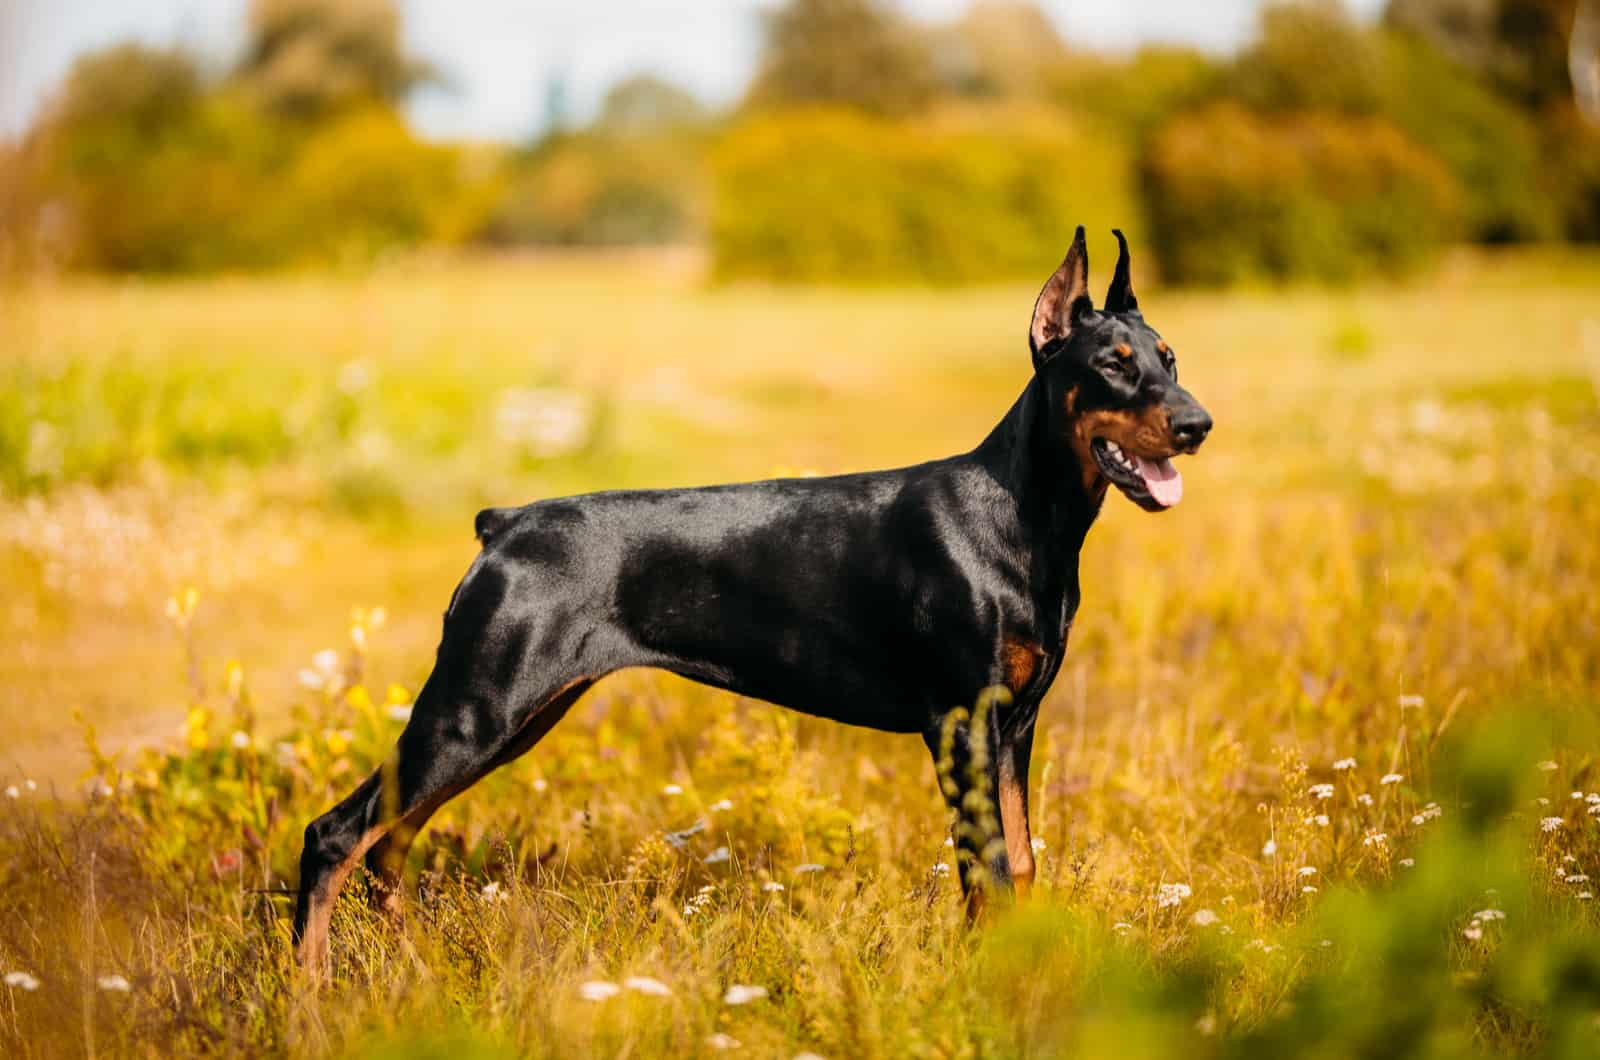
column 1391, row 540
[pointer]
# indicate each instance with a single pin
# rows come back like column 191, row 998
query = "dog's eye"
column 1120, row 368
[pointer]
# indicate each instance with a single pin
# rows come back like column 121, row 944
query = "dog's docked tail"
column 491, row 522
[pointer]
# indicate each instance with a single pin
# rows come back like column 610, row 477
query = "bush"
column 1238, row 196
column 1132, row 97
column 604, row 188
column 364, row 185
column 1489, row 146
column 817, row 195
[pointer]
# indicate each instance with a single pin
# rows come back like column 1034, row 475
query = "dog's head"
column 1112, row 385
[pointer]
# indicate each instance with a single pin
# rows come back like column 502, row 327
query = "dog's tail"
column 491, row 522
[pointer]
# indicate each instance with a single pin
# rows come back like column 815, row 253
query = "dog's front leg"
column 964, row 748
column 1016, row 748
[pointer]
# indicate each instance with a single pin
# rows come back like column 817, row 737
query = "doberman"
column 884, row 599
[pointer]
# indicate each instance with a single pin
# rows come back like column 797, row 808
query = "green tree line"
column 866, row 149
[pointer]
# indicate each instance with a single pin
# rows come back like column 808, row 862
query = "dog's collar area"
column 1154, row 485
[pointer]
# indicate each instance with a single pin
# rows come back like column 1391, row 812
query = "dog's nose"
column 1190, row 426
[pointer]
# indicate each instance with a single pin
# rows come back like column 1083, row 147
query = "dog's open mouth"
column 1154, row 485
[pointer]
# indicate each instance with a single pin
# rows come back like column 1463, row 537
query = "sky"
column 501, row 56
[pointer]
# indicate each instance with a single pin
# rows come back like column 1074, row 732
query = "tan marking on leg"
column 320, row 900
column 1014, row 822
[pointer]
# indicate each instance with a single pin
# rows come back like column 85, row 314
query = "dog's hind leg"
column 387, row 857
column 505, row 675
column 437, row 758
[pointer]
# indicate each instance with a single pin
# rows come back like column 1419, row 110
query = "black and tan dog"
column 886, row 599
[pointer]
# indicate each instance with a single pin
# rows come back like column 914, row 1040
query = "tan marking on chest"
column 1020, row 661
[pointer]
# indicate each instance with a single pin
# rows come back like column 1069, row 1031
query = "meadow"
column 1318, row 777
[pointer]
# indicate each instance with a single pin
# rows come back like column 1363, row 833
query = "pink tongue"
column 1162, row 480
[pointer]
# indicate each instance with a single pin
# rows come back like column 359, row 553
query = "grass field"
column 1388, row 552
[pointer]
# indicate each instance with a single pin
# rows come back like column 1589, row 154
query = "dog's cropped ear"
column 1119, row 297
column 1063, row 301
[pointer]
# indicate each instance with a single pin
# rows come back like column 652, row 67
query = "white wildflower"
column 1407, row 863
column 722, row 1041
column 1308, row 870
column 1391, row 778
column 1308, row 889
column 598, row 990
column 1321, row 791
column 1375, row 839
column 1343, row 764
column 1269, row 848
column 1037, row 845
column 1321, row 819
column 1473, row 932
column 240, row 740
column 643, row 984
column 672, row 789
column 1488, row 914
column 12, row 792
column 720, row 805
column 1364, row 799
column 941, row 869
column 21, row 980
column 1204, row 918
column 809, row 867
column 1548, row 766
column 1550, row 824
column 772, row 887
column 1122, row 927
column 1578, row 877
column 1410, row 702
column 1172, row 894
column 546, row 421
column 540, row 784
column 739, row 994
column 114, row 983
column 718, row 856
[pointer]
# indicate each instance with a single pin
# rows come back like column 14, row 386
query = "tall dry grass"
column 1315, row 778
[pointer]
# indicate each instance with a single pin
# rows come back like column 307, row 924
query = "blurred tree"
column 308, row 57
column 999, row 47
column 1521, row 45
column 133, row 86
column 1131, row 97
column 645, row 103
column 853, row 52
column 1310, row 56
column 1583, row 59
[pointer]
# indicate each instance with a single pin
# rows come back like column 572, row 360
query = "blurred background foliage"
column 867, row 149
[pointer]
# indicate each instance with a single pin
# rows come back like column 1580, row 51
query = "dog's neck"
column 1041, row 472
